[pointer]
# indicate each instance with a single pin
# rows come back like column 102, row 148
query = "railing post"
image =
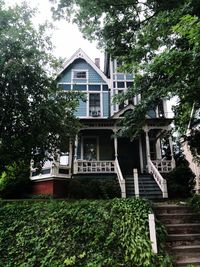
column 164, row 186
column 123, row 189
column 152, row 232
column 54, row 169
column 136, row 184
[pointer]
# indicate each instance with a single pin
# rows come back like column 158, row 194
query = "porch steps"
column 148, row 188
column 183, row 233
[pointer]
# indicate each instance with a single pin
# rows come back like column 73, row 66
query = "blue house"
column 97, row 149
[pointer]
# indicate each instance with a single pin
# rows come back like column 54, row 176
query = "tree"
column 35, row 116
column 157, row 40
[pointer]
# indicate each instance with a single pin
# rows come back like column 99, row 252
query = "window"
column 80, row 74
column 90, row 148
column 94, row 105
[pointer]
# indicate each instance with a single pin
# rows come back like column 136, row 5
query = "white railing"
column 53, row 170
column 163, row 166
column 158, row 178
column 83, row 166
column 120, row 179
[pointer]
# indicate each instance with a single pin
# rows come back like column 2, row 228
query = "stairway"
column 183, row 233
column 148, row 187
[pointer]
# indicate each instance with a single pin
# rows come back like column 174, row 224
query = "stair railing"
column 120, row 179
column 158, row 178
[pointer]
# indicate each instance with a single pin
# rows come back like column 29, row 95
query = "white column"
column 147, row 146
column 141, row 155
column 172, row 152
column 70, row 153
column 76, row 147
column 158, row 149
column 116, row 146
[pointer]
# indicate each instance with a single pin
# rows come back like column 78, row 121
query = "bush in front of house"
column 91, row 188
column 180, row 182
column 195, row 202
column 14, row 180
column 100, row 233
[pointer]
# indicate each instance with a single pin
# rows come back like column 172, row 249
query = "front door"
column 90, row 148
column 128, row 155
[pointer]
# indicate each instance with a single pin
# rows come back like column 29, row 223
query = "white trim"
column 79, row 70
column 81, row 54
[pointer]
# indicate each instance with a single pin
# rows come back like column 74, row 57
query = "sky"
column 66, row 37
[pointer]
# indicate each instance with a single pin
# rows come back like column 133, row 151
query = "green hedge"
column 78, row 233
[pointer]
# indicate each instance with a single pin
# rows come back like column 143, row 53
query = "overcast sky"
column 66, row 38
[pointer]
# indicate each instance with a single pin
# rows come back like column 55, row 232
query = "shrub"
column 180, row 182
column 195, row 202
column 83, row 233
column 14, row 181
column 89, row 188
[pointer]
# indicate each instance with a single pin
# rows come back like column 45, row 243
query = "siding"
column 105, row 104
column 81, row 110
column 81, row 64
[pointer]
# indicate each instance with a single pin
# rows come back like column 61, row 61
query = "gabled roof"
column 81, row 54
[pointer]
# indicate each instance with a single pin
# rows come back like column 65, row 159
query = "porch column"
column 75, row 167
column 70, row 153
column 76, row 148
column 147, row 146
column 115, row 145
column 172, row 152
column 158, row 149
column 141, row 155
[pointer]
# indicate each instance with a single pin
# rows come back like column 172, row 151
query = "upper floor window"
column 94, row 105
column 79, row 74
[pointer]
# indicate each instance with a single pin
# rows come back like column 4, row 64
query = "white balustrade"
column 51, row 169
column 83, row 166
column 120, row 179
column 163, row 166
column 158, row 178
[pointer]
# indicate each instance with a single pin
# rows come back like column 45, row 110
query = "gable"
column 80, row 64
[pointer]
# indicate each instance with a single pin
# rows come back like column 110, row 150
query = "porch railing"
column 163, row 166
column 120, row 179
column 83, row 166
column 158, row 178
column 52, row 171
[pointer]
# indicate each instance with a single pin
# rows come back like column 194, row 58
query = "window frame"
column 74, row 71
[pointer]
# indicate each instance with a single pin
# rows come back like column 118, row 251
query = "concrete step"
column 185, row 255
column 187, row 228
column 172, row 209
column 180, row 218
column 190, row 262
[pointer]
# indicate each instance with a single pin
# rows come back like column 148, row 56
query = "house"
column 97, row 148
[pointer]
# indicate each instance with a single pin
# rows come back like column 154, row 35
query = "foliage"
column 79, row 233
column 158, row 41
column 35, row 116
column 94, row 188
column 14, row 181
column 180, row 182
column 195, row 202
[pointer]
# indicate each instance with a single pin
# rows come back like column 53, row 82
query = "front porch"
column 98, row 150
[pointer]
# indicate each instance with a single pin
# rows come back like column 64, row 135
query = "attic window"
column 79, row 74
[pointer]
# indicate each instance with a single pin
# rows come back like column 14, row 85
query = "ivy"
column 78, row 233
